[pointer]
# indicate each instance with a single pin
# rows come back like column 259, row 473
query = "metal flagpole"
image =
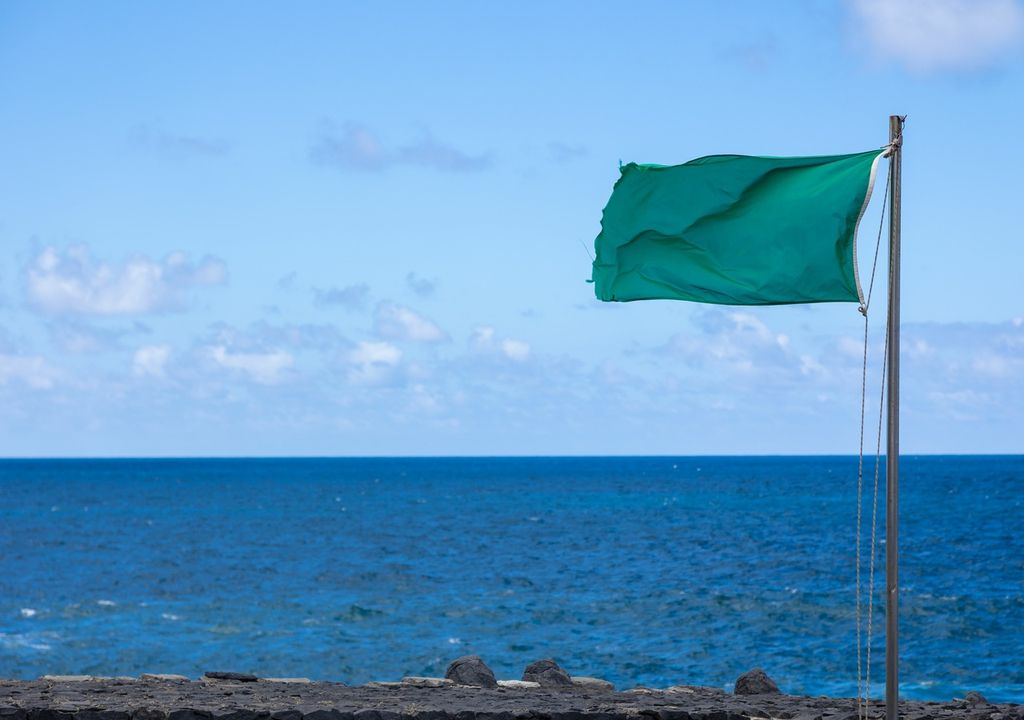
column 892, row 452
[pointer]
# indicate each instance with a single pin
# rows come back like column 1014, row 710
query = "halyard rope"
column 864, row 679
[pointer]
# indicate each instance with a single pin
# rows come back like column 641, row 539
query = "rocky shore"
column 469, row 692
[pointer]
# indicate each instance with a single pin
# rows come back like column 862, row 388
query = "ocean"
column 642, row 570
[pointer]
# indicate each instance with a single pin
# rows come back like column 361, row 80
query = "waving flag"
column 736, row 230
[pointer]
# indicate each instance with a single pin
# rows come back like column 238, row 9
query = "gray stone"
column 426, row 681
column 471, row 670
column 518, row 684
column 236, row 676
column 322, row 715
column 291, row 680
column 548, row 674
column 755, row 682
column 592, row 684
column 144, row 713
column 164, row 677
column 975, row 698
column 102, row 715
column 49, row 714
column 66, row 678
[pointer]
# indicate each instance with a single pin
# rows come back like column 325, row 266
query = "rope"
column 864, row 679
column 874, row 516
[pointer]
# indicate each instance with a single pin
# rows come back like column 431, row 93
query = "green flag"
column 736, row 230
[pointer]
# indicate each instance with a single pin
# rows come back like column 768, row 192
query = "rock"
column 66, row 678
column 293, row 681
column 471, row 670
column 145, row 713
column 236, row 676
column 975, row 698
column 426, row 681
column 547, row 673
column 522, row 684
column 592, row 684
column 102, row 715
column 163, row 677
column 755, row 682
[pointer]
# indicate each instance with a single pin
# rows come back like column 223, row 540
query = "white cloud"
column 372, row 363
column 265, row 368
column 149, row 360
column 33, row 371
column 515, row 349
column 934, row 35
column 73, row 282
column 397, row 322
column 180, row 144
column 485, row 339
column 738, row 341
column 351, row 297
column 424, row 287
column 357, row 147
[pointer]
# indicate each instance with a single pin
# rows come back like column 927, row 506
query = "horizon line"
column 15, row 458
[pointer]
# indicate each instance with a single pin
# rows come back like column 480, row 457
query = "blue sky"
column 361, row 229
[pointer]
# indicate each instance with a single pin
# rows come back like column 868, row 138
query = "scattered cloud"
column 937, row 35
column 179, row 144
column 372, row 363
column 263, row 336
column 265, row 368
column 356, row 147
column 560, row 152
column 31, row 370
column 350, row 297
column 733, row 340
column 397, row 322
column 484, row 339
column 424, row 287
column 75, row 336
column 149, row 361
column 287, row 281
column 73, row 282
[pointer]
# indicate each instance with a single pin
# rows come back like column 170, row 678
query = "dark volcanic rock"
column 114, row 699
column 145, row 713
column 471, row 670
column 238, row 677
column 547, row 673
column 755, row 682
column 975, row 698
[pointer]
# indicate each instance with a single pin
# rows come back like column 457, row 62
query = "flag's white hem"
column 856, row 225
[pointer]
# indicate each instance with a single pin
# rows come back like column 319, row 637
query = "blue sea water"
column 652, row 571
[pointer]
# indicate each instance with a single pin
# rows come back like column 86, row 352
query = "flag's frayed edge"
column 863, row 208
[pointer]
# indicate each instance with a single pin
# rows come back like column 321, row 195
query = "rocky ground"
column 233, row 696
